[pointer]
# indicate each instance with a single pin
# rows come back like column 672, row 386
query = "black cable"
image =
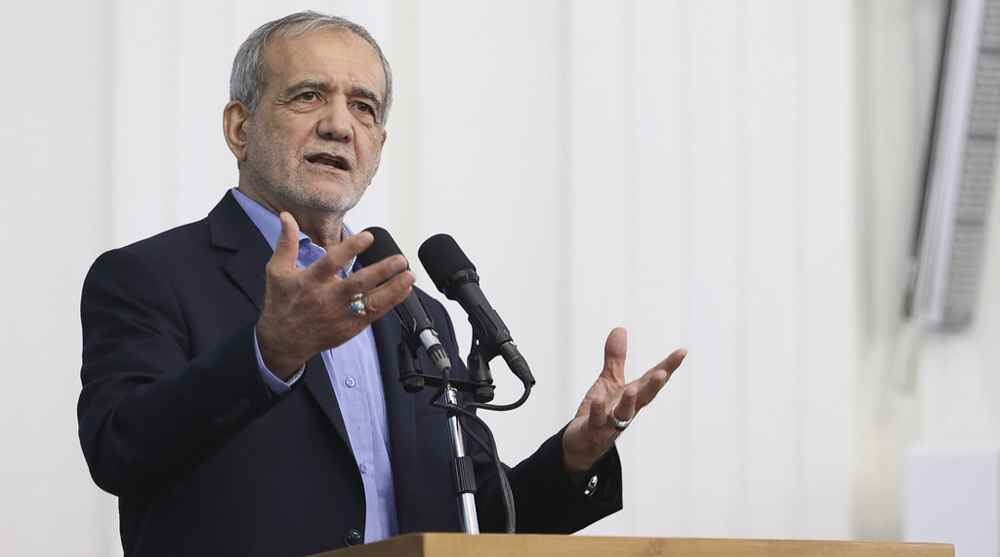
column 504, row 407
column 465, row 411
column 506, row 493
column 490, row 447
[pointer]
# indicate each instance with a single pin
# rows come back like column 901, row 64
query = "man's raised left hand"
column 592, row 432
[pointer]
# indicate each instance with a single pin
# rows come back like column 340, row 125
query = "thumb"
column 614, row 356
column 286, row 253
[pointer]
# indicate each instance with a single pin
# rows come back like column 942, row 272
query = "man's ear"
column 235, row 118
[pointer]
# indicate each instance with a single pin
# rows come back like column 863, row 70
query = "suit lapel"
column 317, row 380
column 399, row 409
column 398, row 403
column 231, row 229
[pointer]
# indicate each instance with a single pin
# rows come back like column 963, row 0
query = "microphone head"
column 446, row 264
column 383, row 246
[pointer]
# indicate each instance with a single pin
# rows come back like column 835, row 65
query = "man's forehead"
column 292, row 54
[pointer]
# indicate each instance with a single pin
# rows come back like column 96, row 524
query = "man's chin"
column 316, row 193
column 336, row 204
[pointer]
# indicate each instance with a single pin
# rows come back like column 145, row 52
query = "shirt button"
column 350, row 382
column 363, row 468
column 353, row 537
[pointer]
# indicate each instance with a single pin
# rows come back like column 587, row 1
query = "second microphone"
column 411, row 312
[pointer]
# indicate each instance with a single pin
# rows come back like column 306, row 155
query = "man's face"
column 315, row 141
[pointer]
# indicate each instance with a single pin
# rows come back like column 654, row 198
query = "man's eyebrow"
column 306, row 84
column 368, row 94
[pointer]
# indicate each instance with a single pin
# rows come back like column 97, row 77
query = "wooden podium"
column 530, row 545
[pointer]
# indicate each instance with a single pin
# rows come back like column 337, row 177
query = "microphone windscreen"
column 383, row 246
column 442, row 258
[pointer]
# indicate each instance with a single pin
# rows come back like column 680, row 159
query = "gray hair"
column 248, row 80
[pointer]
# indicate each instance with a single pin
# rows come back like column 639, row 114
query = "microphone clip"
column 413, row 379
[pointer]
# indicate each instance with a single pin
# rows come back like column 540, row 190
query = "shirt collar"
column 269, row 225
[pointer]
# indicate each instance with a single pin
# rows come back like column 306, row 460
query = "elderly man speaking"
column 239, row 392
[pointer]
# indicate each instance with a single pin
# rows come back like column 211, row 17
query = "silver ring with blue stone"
column 357, row 306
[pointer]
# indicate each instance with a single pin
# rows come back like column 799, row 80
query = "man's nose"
column 335, row 122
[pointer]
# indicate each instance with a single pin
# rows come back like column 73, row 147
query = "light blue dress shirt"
column 354, row 372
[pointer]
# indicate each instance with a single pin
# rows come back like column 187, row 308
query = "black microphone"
column 455, row 276
column 411, row 312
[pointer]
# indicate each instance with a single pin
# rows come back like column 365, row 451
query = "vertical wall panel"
column 827, row 310
column 598, row 97
column 55, row 108
column 655, row 234
column 714, row 252
column 600, row 182
column 143, row 143
column 890, row 126
column 205, row 168
column 769, row 113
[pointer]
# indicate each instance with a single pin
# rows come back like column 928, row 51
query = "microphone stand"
column 481, row 387
column 463, row 477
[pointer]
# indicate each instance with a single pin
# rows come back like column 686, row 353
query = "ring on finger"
column 620, row 425
column 357, row 305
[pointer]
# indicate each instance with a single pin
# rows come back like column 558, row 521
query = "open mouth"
column 329, row 160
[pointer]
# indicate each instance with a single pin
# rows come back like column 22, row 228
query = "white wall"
column 55, row 108
column 707, row 173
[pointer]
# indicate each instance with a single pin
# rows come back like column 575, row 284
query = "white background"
column 735, row 177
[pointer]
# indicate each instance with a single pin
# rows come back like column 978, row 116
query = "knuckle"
column 352, row 288
column 373, row 307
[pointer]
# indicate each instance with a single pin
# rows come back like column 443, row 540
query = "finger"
column 286, row 252
column 626, row 408
column 598, row 417
column 372, row 276
column 339, row 255
column 673, row 361
column 614, row 356
column 380, row 300
column 649, row 385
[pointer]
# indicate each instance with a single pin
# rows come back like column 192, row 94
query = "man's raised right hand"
column 307, row 310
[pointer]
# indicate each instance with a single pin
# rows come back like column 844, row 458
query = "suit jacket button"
column 353, row 537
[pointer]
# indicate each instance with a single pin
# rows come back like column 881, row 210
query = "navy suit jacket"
column 176, row 421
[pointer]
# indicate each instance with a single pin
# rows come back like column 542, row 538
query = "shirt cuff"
column 276, row 385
